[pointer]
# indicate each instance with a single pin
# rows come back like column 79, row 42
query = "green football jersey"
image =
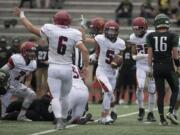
column 162, row 44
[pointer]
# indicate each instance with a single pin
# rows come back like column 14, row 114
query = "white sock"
column 106, row 101
column 65, row 105
column 56, row 107
column 151, row 101
column 140, row 97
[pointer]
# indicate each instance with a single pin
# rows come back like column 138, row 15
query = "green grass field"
column 126, row 124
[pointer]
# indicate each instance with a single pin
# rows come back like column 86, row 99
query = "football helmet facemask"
column 96, row 26
column 62, row 18
column 139, row 26
column 111, row 30
column 28, row 50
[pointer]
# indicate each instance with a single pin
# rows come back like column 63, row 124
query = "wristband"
column 22, row 14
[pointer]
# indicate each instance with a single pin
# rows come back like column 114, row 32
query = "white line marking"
column 74, row 125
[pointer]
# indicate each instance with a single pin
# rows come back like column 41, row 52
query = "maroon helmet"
column 62, row 18
column 96, row 26
column 139, row 26
column 28, row 50
column 111, row 30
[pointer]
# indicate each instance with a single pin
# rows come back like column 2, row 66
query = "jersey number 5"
column 61, row 45
column 109, row 56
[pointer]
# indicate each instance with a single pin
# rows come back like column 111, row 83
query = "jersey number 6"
column 61, row 46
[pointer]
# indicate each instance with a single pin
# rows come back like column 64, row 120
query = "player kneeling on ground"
column 19, row 66
column 78, row 98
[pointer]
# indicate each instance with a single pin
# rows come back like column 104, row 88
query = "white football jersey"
column 20, row 68
column 108, row 50
column 61, row 42
column 77, row 79
column 141, row 47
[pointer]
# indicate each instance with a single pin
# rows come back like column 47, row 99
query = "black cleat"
column 141, row 114
column 113, row 115
column 89, row 117
column 150, row 117
column 82, row 121
column 163, row 122
column 85, row 119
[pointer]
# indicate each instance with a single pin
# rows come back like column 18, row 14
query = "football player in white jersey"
column 62, row 39
column 19, row 66
column 78, row 97
column 138, row 38
column 109, row 45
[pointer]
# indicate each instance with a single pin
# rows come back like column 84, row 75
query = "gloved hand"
column 93, row 58
column 83, row 22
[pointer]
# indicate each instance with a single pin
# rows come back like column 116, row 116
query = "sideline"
column 74, row 125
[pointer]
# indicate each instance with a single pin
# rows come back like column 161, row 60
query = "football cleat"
column 82, row 121
column 150, row 117
column 89, row 117
column 171, row 117
column 113, row 116
column 60, row 124
column 106, row 120
column 23, row 118
column 163, row 122
column 141, row 114
column 175, row 116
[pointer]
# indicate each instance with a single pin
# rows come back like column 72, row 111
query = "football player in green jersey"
column 162, row 55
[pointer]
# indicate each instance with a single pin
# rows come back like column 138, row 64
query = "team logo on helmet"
column 62, row 18
column 139, row 26
column 111, row 30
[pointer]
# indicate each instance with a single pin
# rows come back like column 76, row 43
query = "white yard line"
column 74, row 125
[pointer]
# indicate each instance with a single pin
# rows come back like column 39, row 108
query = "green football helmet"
column 161, row 21
column 4, row 81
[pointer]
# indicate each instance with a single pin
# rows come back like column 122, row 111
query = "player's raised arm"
column 29, row 26
column 85, row 56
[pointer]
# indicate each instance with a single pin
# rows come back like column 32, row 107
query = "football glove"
column 83, row 22
column 93, row 58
